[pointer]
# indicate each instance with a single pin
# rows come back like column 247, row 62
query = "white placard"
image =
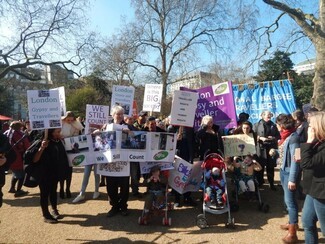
column 62, row 99
column 152, row 97
column 239, row 145
column 185, row 177
column 183, row 108
column 117, row 169
column 77, row 148
column 44, row 109
column 96, row 116
column 123, row 96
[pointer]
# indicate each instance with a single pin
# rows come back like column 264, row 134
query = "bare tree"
column 37, row 32
column 168, row 33
column 314, row 29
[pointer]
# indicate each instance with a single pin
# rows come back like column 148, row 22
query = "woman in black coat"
column 54, row 166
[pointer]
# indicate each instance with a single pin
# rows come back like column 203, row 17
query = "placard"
column 44, row 109
column 116, row 169
column 185, row 177
column 239, row 145
column 152, row 97
column 77, row 148
column 96, row 116
column 183, row 108
column 123, row 96
column 145, row 167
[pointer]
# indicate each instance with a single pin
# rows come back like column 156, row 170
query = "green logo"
column 221, row 89
column 160, row 155
column 78, row 160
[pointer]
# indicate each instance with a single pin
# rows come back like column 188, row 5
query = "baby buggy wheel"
column 231, row 224
column 264, row 207
column 142, row 221
column 201, row 221
column 167, row 221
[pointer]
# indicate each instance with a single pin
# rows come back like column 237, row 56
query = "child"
column 215, row 186
column 156, row 187
column 244, row 169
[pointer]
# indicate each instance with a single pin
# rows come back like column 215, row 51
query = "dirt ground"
column 22, row 222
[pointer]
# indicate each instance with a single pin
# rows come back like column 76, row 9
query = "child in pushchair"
column 215, row 187
column 156, row 197
column 243, row 169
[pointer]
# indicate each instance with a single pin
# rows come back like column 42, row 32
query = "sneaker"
column 55, row 214
column 50, row 220
column 124, row 212
column 20, row 193
column 78, row 198
column 112, row 212
column 96, row 195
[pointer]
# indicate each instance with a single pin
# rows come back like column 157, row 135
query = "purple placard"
column 217, row 101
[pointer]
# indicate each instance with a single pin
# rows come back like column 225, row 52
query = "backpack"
column 32, row 170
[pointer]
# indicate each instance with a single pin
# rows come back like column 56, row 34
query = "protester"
column 209, row 137
column 118, row 186
column 70, row 127
column 267, row 136
column 289, row 171
column 313, row 165
column 151, row 125
column 140, row 123
column 19, row 143
column 54, row 166
column 4, row 147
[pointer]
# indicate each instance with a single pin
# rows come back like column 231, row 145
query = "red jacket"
column 19, row 149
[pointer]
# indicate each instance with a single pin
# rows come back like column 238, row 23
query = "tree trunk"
column 318, row 99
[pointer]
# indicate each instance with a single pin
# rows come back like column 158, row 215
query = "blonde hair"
column 206, row 119
column 116, row 109
column 317, row 121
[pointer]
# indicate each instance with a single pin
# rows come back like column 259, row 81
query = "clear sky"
column 108, row 15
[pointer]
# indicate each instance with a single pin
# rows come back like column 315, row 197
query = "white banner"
column 117, row 169
column 185, row 177
column 152, row 97
column 239, row 145
column 44, row 109
column 123, row 96
column 146, row 166
column 62, row 99
column 77, row 148
column 183, row 108
column 96, row 116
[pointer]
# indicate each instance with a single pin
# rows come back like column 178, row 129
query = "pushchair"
column 210, row 162
column 159, row 207
column 251, row 196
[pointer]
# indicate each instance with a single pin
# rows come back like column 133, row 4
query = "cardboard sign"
column 123, row 96
column 185, row 177
column 183, row 108
column 96, row 116
column 116, row 169
column 152, row 97
column 146, row 166
column 77, row 148
column 239, row 145
column 44, row 109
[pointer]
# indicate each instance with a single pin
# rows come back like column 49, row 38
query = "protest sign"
column 146, row 166
column 182, row 112
column 96, row 116
column 117, row 169
column 239, row 145
column 77, row 148
column 218, row 102
column 44, row 109
column 185, row 177
column 275, row 96
column 123, row 96
column 152, row 97
column 62, row 99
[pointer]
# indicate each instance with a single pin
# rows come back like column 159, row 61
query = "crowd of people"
column 277, row 145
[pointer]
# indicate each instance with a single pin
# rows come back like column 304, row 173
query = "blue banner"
column 275, row 96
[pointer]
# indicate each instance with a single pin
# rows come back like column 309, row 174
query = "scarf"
column 285, row 134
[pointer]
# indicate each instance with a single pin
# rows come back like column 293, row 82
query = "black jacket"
column 313, row 165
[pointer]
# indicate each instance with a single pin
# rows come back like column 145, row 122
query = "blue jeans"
column 85, row 179
column 289, row 198
column 313, row 210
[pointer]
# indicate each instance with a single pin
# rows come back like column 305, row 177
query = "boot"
column 286, row 226
column 291, row 236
